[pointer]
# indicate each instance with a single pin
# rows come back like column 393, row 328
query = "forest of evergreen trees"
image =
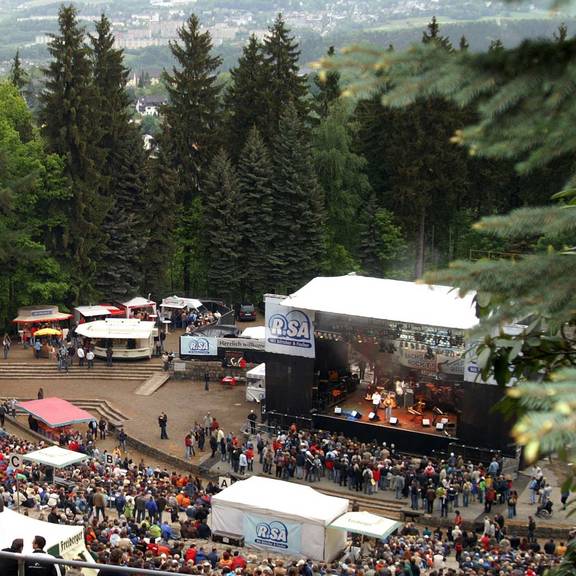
column 254, row 186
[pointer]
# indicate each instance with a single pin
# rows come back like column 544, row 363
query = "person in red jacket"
column 191, row 553
column 238, row 561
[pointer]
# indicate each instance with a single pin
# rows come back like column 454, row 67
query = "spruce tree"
column 432, row 35
column 284, row 82
column 70, row 119
column 245, row 99
column 328, row 85
column 220, row 241
column 464, row 45
column 161, row 207
column 255, row 218
column 123, row 250
column 119, row 272
column 190, row 125
column 18, row 76
column 298, row 208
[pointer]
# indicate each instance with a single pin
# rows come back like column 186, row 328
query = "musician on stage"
column 388, row 407
column 376, row 399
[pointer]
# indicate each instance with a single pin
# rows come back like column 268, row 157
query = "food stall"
column 50, row 416
column 129, row 338
column 32, row 318
column 139, row 307
column 84, row 314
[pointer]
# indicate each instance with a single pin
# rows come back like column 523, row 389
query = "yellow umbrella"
column 48, row 332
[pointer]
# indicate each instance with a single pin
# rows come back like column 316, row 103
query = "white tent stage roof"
column 117, row 328
column 254, row 332
column 385, row 299
column 89, row 311
column 284, row 499
column 179, row 303
column 257, row 371
column 366, row 524
column 55, row 456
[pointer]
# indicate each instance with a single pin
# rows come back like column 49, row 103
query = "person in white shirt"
column 376, row 399
column 81, row 355
column 243, row 463
column 90, row 358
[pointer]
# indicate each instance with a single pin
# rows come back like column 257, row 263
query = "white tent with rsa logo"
column 281, row 517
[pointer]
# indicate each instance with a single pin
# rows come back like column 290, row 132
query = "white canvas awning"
column 117, row 328
column 254, row 332
column 139, row 302
column 90, row 311
column 385, row 299
column 367, row 524
column 178, row 303
column 55, row 456
column 257, row 372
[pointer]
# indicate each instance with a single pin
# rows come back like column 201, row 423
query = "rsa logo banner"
column 198, row 346
column 288, row 330
column 269, row 534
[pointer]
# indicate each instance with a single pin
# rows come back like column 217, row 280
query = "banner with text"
column 288, row 330
column 269, row 534
column 198, row 346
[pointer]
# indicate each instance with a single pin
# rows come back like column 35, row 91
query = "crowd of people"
column 143, row 516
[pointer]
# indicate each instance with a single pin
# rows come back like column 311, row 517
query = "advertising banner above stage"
column 288, row 330
column 269, row 534
column 198, row 346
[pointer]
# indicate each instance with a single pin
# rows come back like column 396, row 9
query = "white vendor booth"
column 281, row 517
column 256, row 384
column 130, row 338
column 62, row 541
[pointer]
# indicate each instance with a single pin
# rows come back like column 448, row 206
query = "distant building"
column 149, row 105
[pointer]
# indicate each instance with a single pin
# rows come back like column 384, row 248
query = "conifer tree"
column 464, row 45
column 161, row 195
column 71, row 124
column 18, row 76
column 328, row 86
column 125, row 227
column 432, row 35
column 246, row 100
column 284, row 82
column 190, row 125
column 119, row 272
column 220, row 242
column 298, row 205
column 255, row 218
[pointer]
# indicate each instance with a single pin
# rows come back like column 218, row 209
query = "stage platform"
column 406, row 421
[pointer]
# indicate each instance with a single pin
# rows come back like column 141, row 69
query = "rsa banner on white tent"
column 269, row 534
column 288, row 330
column 198, row 346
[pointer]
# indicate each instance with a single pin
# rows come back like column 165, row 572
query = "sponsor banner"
column 417, row 360
column 450, row 364
column 270, row 534
column 241, row 343
column 288, row 330
column 198, row 346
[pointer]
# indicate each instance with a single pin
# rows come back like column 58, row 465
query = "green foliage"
column 70, row 121
column 18, row 76
column 328, row 86
column 221, row 210
column 255, row 219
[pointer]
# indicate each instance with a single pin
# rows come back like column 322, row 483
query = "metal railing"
column 47, row 559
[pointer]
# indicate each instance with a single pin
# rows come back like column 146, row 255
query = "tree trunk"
column 187, row 256
column 421, row 244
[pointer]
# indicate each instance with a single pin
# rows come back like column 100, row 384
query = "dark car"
column 247, row 313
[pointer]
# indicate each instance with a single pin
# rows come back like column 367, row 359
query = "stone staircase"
column 42, row 370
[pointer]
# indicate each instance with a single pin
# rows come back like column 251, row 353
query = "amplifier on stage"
column 408, row 398
column 227, row 538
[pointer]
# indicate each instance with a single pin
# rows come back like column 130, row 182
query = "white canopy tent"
column 385, row 299
column 366, row 524
column 281, row 516
column 55, row 456
column 139, row 302
column 179, row 303
column 61, row 540
column 256, row 383
column 254, row 332
column 91, row 311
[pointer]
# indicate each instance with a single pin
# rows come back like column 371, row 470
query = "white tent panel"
column 55, row 456
column 117, row 328
column 61, row 540
column 258, row 372
column 385, row 299
column 255, row 332
column 139, row 302
column 264, row 501
column 367, row 524
column 89, row 311
column 179, row 303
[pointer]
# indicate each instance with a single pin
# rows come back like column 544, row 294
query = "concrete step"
column 153, row 383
